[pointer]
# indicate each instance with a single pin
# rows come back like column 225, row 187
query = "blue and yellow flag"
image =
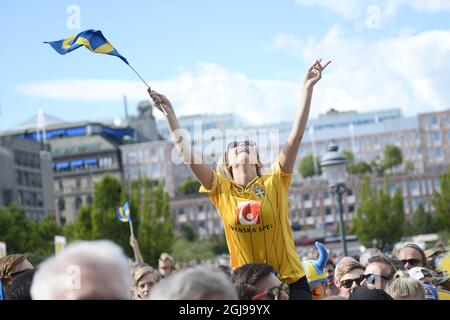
column 91, row 39
column 123, row 213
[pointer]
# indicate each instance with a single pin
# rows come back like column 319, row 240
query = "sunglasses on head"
column 272, row 293
column 413, row 262
column 348, row 283
column 248, row 143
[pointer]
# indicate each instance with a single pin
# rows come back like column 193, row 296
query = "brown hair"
column 8, row 266
column 245, row 277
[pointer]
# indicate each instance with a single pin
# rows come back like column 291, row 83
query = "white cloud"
column 410, row 72
column 354, row 9
column 211, row 89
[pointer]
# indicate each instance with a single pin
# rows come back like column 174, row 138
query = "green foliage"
column 155, row 233
column 187, row 232
column 380, row 217
column 422, row 222
column 33, row 238
column 441, row 202
column 392, row 156
column 306, row 167
column 361, row 168
column 186, row 251
column 220, row 245
column 409, row 166
column 188, row 186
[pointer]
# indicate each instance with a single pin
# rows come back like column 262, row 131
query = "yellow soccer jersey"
column 256, row 223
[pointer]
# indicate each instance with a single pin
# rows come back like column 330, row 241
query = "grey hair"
column 367, row 254
column 198, row 283
column 84, row 270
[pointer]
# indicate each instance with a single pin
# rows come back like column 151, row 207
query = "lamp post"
column 334, row 166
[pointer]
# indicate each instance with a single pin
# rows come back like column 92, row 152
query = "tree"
column 187, row 232
column 220, row 245
column 361, row 168
column 307, row 168
column 380, row 217
column 441, row 202
column 409, row 167
column 155, row 232
column 186, row 251
column 422, row 222
column 188, row 186
column 81, row 227
column 22, row 235
column 392, row 156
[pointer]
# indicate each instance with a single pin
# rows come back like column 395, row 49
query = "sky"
column 217, row 56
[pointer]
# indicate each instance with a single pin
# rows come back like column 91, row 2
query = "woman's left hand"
column 314, row 73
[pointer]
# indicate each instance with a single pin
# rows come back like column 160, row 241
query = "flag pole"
column 131, row 228
column 163, row 110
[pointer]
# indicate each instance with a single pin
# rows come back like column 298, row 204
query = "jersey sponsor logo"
column 259, row 190
column 248, row 213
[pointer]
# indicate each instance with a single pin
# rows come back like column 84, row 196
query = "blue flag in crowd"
column 91, row 39
column 123, row 213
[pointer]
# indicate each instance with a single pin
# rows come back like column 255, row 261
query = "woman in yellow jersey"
column 253, row 206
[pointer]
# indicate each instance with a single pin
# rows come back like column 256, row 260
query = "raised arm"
column 182, row 143
column 289, row 151
column 137, row 252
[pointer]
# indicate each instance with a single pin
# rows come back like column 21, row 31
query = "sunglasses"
column 348, row 283
column 248, row 143
column 371, row 278
column 413, row 262
column 273, row 293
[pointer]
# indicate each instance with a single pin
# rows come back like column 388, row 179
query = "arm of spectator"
column 137, row 252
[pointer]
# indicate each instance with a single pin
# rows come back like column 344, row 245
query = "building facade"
column 26, row 177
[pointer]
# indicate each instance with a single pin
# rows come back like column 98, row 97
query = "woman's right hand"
column 161, row 102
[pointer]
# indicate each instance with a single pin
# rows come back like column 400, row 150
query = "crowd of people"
column 98, row 270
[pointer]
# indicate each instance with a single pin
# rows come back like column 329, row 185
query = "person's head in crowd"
column 367, row 254
column 144, row 279
column 198, row 283
column 239, row 153
column 411, row 255
column 349, row 277
column 11, row 266
column 365, row 293
column 166, row 264
column 431, row 255
column 379, row 271
column 342, row 263
column 20, row 286
column 257, row 281
column 87, row 270
column 403, row 287
column 331, row 289
column 316, row 274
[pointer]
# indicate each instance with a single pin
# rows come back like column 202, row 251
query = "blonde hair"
column 348, row 267
column 223, row 169
column 143, row 270
column 403, row 287
column 8, row 266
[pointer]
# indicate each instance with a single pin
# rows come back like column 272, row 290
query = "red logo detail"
column 248, row 213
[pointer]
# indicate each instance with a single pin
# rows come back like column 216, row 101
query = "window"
column 200, row 208
column 349, row 192
column 306, row 197
column 326, row 195
column 436, row 136
column 351, row 208
column 61, row 204
column 414, row 185
column 78, row 203
column 61, row 186
column 89, row 199
column 438, row 152
column 180, row 211
column 308, row 213
column 78, row 183
column 434, row 120
column 328, row 211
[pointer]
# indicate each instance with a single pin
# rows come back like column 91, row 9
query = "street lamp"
column 334, row 166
